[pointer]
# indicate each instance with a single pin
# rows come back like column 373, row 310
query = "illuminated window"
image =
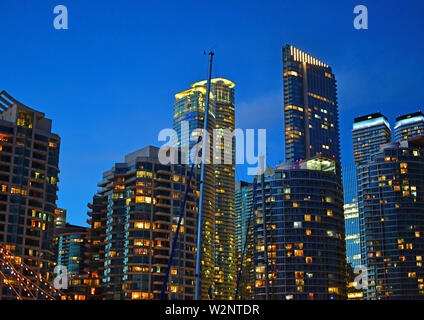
column 142, row 225
column 142, row 199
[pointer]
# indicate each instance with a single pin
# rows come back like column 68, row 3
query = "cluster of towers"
column 293, row 232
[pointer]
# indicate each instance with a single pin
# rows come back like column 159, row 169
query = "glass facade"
column 70, row 247
column 391, row 212
column 409, row 126
column 244, row 239
column 303, row 205
column 351, row 215
column 29, row 156
column 219, row 257
column 368, row 134
column 310, row 107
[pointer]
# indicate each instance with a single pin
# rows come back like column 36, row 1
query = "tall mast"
column 202, row 179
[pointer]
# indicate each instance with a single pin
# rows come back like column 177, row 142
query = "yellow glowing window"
column 144, row 174
column 334, row 290
column 142, row 199
column 141, row 251
column 174, row 228
column 136, row 295
column 142, row 225
column 298, row 253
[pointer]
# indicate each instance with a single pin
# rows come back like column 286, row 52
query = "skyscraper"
column 368, row 134
column 29, row 156
column 310, row 106
column 351, row 216
column 189, row 108
column 300, row 206
column 391, row 211
column 409, row 126
column 303, row 206
column 244, row 239
column 219, row 257
column 137, row 211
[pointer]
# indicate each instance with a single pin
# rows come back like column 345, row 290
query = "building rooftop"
column 410, row 115
column 369, row 117
column 370, row 120
column 300, row 56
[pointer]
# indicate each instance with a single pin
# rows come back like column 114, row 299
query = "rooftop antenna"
column 202, row 179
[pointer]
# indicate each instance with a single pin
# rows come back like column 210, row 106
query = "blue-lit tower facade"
column 369, row 133
column 351, row 216
column 409, row 126
column 244, row 239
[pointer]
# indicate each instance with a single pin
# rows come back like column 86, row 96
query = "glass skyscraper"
column 303, row 206
column 300, row 205
column 351, row 215
column 310, row 106
column 219, row 255
column 368, row 134
column 244, row 238
column 391, row 211
column 409, row 126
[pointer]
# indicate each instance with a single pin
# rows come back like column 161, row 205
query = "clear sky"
column 108, row 82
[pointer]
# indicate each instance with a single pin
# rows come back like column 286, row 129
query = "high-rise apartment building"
column 303, row 199
column 303, row 206
column 29, row 167
column 409, row 126
column 368, row 134
column 218, row 270
column 244, row 239
column 391, row 211
column 134, row 218
column 71, row 245
column 351, row 216
column 310, row 107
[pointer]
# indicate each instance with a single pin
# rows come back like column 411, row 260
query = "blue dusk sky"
column 108, row 82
